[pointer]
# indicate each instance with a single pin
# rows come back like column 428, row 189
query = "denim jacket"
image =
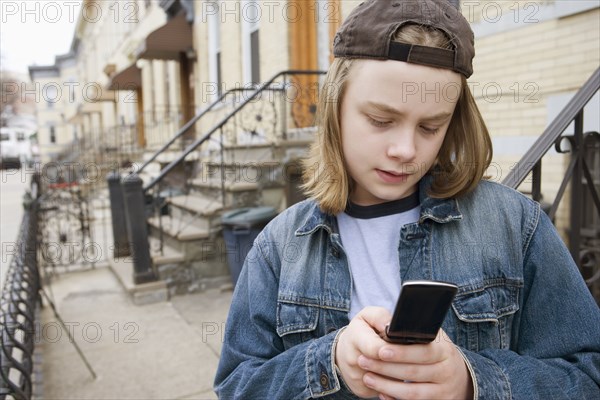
column 523, row 318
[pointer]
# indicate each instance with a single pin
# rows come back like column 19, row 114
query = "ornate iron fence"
column 65, row 227
column 18, row 304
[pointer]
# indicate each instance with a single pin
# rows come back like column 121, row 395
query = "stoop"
column 145, row 293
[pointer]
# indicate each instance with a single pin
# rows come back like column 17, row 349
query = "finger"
column 376, row 317
column 401, row 371
column 370, row 319
column 430, row 353
column 398, row 389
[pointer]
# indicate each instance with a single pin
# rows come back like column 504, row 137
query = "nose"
column 402, row 146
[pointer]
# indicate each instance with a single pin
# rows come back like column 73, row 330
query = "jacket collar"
column 438, row 210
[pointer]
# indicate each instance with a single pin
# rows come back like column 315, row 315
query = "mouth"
column 392, row 176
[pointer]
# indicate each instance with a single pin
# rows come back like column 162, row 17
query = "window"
column 255, row 57
column 153, row 103
column 52, row 134
column 219, row 76
column 71, row 87
column 250, row 41
column 167, row 67
column 50, row 93
column 214, row 51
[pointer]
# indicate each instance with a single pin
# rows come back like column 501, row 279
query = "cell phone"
column 420, row 311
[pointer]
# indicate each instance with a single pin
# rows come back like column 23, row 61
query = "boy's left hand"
column 435, row 370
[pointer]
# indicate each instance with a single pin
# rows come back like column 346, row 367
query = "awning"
column 168, row 41
column 128, row 79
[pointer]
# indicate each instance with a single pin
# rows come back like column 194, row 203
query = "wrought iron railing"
column 240, row 117
column 66, row 230
column 18, row 304
column 583, row 237
column 160, row 122
column 217, row 109
column 120, row 147
column 169, row 144
column 254, row 97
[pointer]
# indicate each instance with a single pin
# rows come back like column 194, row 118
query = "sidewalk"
column 167, row 350
column 163, row 350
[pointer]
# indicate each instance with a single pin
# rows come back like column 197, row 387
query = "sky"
column 33, row 32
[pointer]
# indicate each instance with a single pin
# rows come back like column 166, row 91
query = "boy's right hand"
column 361, row 336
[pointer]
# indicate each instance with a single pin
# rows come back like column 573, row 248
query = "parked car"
column 15, row 148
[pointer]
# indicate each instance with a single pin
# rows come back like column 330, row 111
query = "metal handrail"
column 577, row 173
column 165, row 171
column 553, row 131
column 185, row 128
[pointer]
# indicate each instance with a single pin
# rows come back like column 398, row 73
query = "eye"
column 377, row 123
column 430, row 130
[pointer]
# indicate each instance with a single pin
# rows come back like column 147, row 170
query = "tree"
column 9, row 92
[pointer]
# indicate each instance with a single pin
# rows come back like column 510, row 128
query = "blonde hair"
column 462, row 160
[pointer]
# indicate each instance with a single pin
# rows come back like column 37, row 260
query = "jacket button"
column 324, row 380
column 335, row 252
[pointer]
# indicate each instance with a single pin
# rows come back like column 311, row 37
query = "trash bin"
column 240, row 227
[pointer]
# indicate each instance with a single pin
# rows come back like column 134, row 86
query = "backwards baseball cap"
column 369, row 30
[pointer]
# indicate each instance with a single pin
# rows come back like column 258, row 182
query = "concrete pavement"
column 165, row 350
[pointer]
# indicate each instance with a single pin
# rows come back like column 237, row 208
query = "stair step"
column 144, row 293
column 147, row 177
column 293, row 142
column 197, row 204
column 168, row 156
column 153, row 168
column 259, row 151
column 244, row 163
column 177, row 229
column 301, row 134
column 229, row 186
column 168, row 256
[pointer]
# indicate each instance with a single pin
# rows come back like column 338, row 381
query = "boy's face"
column 394, row 118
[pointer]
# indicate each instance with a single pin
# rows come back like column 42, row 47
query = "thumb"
column 376, row 317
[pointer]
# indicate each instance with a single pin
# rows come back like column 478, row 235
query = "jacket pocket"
column 484, row 314
column 296, row 322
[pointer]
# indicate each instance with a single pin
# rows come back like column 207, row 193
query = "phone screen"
column 420, row 311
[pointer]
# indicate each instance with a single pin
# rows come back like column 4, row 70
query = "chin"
column 385, row 197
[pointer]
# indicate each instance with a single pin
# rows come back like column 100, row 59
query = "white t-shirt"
column 370, row 236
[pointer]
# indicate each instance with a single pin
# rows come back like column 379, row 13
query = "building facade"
column 156, row 64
